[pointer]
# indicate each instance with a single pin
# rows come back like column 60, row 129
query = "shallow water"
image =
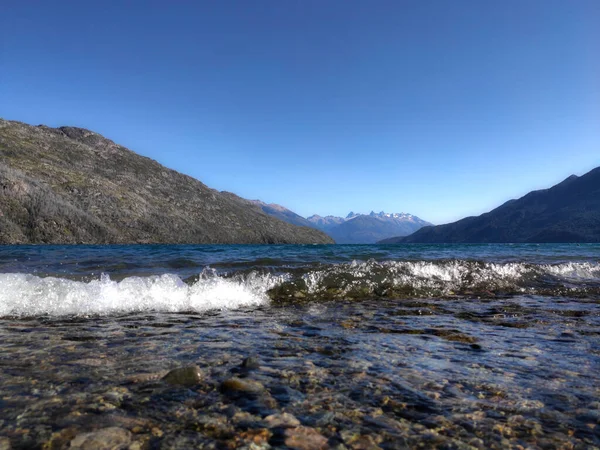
column 494, row 347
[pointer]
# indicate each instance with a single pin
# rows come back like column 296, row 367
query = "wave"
column 422, row 279
column 30, row 295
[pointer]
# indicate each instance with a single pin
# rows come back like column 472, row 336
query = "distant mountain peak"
column 358, row 228
column 383, row 215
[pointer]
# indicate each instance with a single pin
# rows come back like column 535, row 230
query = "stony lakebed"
column 391, row 350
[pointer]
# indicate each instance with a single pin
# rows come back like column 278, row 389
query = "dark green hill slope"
column 70, row 185
column 567, row 212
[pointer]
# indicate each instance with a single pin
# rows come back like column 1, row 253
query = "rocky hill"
column 367, row 228
column 567, row 212
column 71, row 185
column 282, row 213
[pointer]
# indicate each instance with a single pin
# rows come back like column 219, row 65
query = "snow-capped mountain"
column 355, row 228
column 325, row 223
column 369, row 228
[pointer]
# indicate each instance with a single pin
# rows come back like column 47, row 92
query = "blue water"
column 186, row 260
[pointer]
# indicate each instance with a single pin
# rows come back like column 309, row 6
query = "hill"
column 282, row 213
column 566, row 212
column 71, row 185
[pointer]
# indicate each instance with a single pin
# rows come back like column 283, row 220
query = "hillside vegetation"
column 71, row 185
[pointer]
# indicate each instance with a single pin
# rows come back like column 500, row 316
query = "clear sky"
column 439, row 108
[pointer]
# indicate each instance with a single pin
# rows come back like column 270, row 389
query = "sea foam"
column 29, row 295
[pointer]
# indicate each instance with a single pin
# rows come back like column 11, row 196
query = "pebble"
column 285, row 420
column 104, row 439
column 365, row 442
column 305, row 438
column 146, row 377
column 241, row 386
column 184, row 376
column 251, row 362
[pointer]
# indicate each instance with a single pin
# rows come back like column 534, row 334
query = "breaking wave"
column 404, row 279
column 30, row 295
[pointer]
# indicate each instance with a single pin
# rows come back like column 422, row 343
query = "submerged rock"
column 284, row 420
column 291, row 291
column 105, row 439
column 184, row 376
column 250, row 362
column 305, row 438
column 237, row 386
column 4, row 443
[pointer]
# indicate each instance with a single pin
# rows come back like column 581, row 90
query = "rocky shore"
column 468, row 374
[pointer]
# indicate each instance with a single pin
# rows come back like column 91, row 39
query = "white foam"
column 575, row 271
column 29, row 295
column 444, row 276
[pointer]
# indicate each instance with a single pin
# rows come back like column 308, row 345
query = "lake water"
column 347, row 346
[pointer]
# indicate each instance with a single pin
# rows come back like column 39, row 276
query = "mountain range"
column 354, row 228
column 367, row 228
column 566, row 212
column 71, row 185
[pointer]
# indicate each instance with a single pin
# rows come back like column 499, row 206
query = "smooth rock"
column 241, row 386
column 305, row 438
column 4, row 443
column 104, row 439
column 184, row 376
column 285, row 420
column 250, row 362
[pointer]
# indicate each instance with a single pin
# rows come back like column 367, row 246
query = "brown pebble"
column 285, row 420
column 305, row 438
column 4, row 443
column 257, row 437
column 239, row 385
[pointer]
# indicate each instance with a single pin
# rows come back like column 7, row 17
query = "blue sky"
column 438, row 108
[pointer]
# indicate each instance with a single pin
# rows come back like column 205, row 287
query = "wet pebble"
column 252, row 362
column 252, row 439
column 365, row 442
column 305, row 438
column 116, row 395
column 284, row 420
column 237, row 386
column 184, row 376
column 105, row 439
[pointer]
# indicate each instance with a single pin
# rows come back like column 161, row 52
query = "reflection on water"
column 454, row 373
